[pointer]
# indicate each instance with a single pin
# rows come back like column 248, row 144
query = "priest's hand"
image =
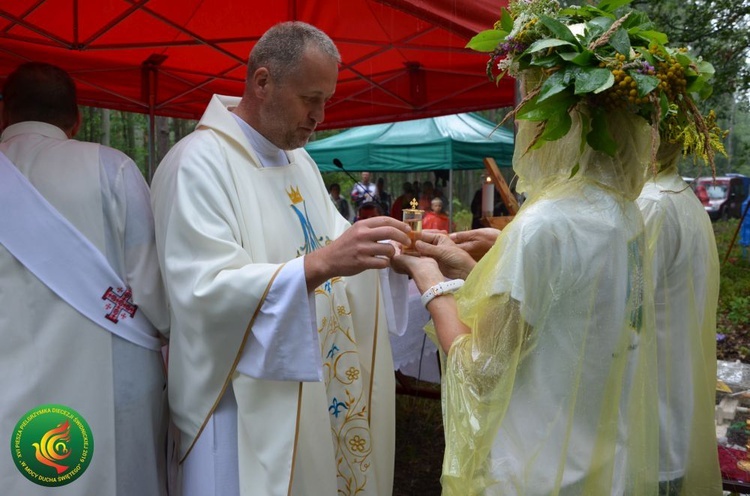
column 453, row 261
column 476, row 242
column 363, row 246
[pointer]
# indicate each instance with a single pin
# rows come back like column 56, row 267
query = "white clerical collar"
column 269, row 154
column 33, row 127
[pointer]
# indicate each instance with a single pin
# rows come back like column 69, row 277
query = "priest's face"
column 295, row 106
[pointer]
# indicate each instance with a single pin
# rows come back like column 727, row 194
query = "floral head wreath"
column 608, row 57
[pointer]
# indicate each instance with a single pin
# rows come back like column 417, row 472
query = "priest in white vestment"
column 51, row 353
column 280, row 371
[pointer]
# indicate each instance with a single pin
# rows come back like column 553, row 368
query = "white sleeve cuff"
column 283, row 342
column 395, row 288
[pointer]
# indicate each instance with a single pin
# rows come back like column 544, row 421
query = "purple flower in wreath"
column 646, row 68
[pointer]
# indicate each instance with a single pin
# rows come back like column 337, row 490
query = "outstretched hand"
column 453, row 261
column 440, row 258
column 423, row 270
column 476, row 242
column 363, row 246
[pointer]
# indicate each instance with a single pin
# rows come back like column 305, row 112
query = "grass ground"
column 419, row 446
column 733, row 317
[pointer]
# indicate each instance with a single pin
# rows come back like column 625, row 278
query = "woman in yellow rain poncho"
column 550, row 342
column 549, row 382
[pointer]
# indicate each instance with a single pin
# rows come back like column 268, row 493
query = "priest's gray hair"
column 280, row 49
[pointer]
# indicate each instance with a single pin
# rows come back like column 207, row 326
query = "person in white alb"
column 280, row 373
column 681, row 243
column 56, row 346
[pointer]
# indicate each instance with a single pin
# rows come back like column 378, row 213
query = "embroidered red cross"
column 120, row 304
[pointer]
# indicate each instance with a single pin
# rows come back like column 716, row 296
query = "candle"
column 488, row 198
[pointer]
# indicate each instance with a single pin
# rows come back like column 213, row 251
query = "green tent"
column 451, row 142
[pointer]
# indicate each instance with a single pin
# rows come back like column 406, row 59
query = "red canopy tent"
column 402, row 59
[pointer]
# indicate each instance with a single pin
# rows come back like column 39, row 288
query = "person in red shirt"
column 436, row 219
column 426, row 196
column 402, row 202
column 702, row 194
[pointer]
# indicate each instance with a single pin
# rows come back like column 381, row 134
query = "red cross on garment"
column 119, row 304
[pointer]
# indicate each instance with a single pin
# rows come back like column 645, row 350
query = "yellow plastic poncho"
column 681, row 244
column 553, row 391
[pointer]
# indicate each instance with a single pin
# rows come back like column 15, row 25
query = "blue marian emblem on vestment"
column 312, row 241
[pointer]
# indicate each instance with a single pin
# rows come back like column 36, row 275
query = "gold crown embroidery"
column 294, row 195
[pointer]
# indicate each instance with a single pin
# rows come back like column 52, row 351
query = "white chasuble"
column 225, row 227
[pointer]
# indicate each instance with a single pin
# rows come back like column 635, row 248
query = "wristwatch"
column 441, row 288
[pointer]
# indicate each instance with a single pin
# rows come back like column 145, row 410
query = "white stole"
column 52, row 249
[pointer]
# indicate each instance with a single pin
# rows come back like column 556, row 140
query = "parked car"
column 725, row 196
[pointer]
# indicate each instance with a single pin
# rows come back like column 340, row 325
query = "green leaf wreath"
column 608, row 57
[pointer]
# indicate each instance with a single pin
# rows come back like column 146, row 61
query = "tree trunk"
column 162, row 138
column 106, row 128
column 128, row 134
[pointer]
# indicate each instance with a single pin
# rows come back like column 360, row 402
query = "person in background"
column 436, row 219
column 438, row 193
column 368, row 210
column 428, row 193
column 681, row 245
column 476, row 207
column 402, row 201
column 342, row 205
column 702, row 194
column 382, row 196
column 84, row 309
column 280, row 372
column 363, row 191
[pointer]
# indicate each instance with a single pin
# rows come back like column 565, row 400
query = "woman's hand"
column 423, row 270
